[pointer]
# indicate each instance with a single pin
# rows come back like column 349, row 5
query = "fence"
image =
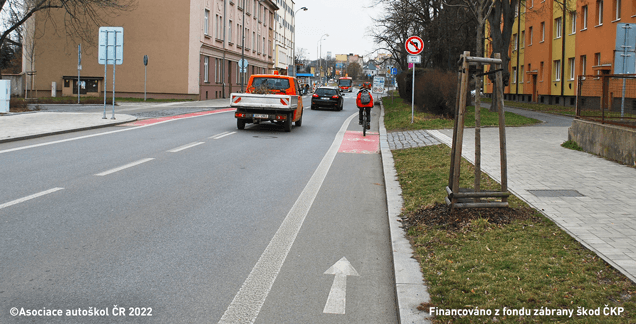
column 607, row 99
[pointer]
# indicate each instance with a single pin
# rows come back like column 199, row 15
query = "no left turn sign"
column 414, row 45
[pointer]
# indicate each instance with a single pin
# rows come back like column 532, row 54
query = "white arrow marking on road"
column 336, row 302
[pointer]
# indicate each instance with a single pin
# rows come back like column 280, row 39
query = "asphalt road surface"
column 194, row 221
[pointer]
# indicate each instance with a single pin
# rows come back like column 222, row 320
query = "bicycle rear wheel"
column 365, row 122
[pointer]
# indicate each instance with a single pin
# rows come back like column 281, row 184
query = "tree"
column 80, row 15
column 354, row 69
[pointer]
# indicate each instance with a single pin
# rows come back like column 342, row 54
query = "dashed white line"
column 218, row 136
column 39, row 194
column 124, row 167
column 187, row 146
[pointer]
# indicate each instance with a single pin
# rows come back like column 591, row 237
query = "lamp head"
column 304, row 8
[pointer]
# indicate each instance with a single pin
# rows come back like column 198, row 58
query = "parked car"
column 327, row 97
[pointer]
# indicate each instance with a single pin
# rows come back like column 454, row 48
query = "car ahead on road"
column 327, row 97
column 269, row 97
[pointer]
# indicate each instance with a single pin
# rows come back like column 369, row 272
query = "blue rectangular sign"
column 625, row 50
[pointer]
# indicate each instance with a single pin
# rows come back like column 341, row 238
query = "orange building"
column 554, row 42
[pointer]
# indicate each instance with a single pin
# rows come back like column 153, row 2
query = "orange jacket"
column 360, row 105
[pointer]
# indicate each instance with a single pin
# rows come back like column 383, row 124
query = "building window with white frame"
column 206, row 22
column 583, row 64
column 515, row 42
column 531, row 35
column 514, row 74
column 573, row 22
column 599, row 12
column 571, row 66
column 542, row 32
column 584, row 17
column 557, row 70
column 229, row 32
column 557, row 27
column 206, row 69
column 617, row 9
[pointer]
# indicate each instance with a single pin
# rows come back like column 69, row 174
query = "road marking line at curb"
column 250, row 298
column 124, row 167
column 107, row 133
column 39, row 194
column 187, row 146
column 219, row 136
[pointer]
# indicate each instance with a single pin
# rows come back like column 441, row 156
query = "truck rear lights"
column 281, row 117
column 239, row 115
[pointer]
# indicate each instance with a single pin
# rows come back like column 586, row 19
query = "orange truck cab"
column 269, row 97
column 345, row 84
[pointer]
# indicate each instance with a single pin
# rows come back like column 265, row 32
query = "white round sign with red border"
column 414, row 45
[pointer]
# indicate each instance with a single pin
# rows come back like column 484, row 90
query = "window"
column 238, row 34
column 599, row 12
column 542, row 32
column 514, row 74
column 530, row 31
column 206, row 22
column 583, row 65
column 258, row 47
column 254, row 41
column 521, row 75
column 515, row 42
column 229, row 32
column 597, row 59
column 523, row 39
column 206, row 69
column 263, row 46
column 557, row 70
column 557, row 28
column 541, row 71
column 571, row 68
column 531, row 3
column 617, row 9
column 219, row 26
column 255, row 8
column 584, row 14
column 573, row 22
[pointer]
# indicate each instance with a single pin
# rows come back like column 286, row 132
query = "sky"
column 346, row 21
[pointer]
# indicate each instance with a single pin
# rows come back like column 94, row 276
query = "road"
column 200, row 222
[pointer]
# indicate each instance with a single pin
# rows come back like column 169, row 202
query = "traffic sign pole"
column 414, row 46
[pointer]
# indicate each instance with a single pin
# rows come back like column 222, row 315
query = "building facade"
column 553, row 42
column 284, row 31
column 193, row 48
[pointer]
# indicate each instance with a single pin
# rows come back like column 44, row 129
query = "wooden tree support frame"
column 466, row 197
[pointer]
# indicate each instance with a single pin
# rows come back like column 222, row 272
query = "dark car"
column 327, row 97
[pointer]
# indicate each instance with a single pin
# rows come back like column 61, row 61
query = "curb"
column 6, row 140
column 410, row 289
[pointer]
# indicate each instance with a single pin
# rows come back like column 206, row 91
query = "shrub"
column 435, row 92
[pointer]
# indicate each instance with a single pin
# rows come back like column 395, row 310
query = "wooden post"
column 453, row 144
column 478, row 130
column 502, row 132
column 457, row 158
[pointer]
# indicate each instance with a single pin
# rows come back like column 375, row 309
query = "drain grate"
column 556, row 193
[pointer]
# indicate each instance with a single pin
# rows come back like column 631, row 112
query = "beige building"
column 193, row 49
column 284, row 35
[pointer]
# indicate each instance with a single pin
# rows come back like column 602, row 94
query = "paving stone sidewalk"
column 591, row 198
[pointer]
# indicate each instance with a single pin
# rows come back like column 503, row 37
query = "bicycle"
column 366, row 120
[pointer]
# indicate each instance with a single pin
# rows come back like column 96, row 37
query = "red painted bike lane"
column 355, row 142
column 151, row 121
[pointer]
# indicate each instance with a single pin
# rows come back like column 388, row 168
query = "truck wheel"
column 288, row 122
column 240, row 123
column 300, row 121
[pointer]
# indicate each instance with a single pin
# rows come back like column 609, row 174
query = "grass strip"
column 397, row 117
column 526, row 264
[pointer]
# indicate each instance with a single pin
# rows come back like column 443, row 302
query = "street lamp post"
column 294, row 45
column 320, row 57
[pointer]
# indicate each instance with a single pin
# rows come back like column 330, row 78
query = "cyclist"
column 364, row 100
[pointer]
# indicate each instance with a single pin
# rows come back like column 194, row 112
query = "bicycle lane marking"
column 355, row 142
column 250, row 298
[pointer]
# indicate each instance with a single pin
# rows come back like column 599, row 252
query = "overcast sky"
column 346, row 21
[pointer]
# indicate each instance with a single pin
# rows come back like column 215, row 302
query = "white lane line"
column 39, row 194
column 219, row 136
column 124, row 167
column 187, row 146
column 105, row 133
column 250, row 298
